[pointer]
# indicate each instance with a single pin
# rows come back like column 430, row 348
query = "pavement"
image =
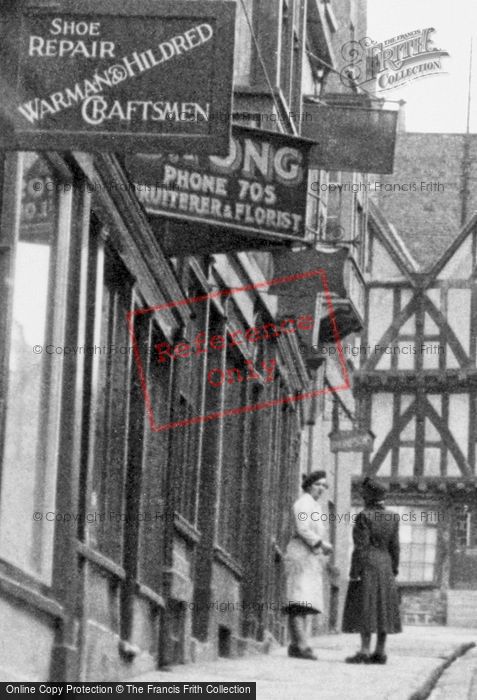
column 416, row 659
column 459, row 681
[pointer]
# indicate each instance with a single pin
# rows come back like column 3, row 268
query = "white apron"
column 303, row 566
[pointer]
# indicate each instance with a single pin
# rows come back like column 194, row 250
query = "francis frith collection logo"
column 390, row 64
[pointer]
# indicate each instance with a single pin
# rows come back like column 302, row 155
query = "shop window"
column 154, row 511
column 109, row 369
column 465, row 527
column 232, row 472
column 288, row 458
column 187, row 438
column 279, row 427
column 35, row 306
column 418, row 543
column 187, row 459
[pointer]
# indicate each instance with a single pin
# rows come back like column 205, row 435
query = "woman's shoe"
column 378, row 658
column 358, row 658
column 307, row 654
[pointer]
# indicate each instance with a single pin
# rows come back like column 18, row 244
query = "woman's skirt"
column 372, row 604
column 304, row 577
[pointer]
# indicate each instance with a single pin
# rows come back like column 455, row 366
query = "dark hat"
column 372, row 490
column 308, row 479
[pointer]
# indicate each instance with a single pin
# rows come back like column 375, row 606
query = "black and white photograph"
column 238, row 349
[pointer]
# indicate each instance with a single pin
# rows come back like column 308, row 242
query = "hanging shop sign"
column 352, row 441
column 118, row 75
column 259, row 189
column 355, row 139
column 309, row 271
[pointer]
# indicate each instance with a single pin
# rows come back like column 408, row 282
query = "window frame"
column 59, row 301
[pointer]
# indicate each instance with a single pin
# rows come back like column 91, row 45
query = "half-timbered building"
column 416, row 385
column 123, row 546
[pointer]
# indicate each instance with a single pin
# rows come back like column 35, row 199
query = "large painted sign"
column 260, row 188
column 118, row 76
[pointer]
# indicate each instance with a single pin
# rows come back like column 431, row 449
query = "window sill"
column 225, row 558
column 417, row 584
column 150, row 595
column 101, row 561
column 33, row 599
column 186, row 529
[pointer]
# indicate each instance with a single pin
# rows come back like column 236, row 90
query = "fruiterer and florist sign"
column 260, row 188
column 118, row 75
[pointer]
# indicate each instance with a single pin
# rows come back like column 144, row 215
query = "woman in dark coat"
column 372, row 602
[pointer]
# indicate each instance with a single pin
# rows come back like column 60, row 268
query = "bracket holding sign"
column 117, row 75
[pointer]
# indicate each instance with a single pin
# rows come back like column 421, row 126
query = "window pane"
column 231, row 487
column 428, row 572
column 405, row 534
column 29, row 462
column 418, row 540
column 429, row 556
column 110, row 379
column 153, row 503
column 243, row 43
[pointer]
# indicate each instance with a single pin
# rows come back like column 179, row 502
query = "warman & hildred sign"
column 118, row 76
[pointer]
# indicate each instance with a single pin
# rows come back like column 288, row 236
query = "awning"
column 356, row 139
column 299, row 281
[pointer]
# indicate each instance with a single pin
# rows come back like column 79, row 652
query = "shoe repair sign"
column 117, row 75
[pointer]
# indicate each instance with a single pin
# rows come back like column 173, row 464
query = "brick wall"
column 423, row 606
column 427, row 220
